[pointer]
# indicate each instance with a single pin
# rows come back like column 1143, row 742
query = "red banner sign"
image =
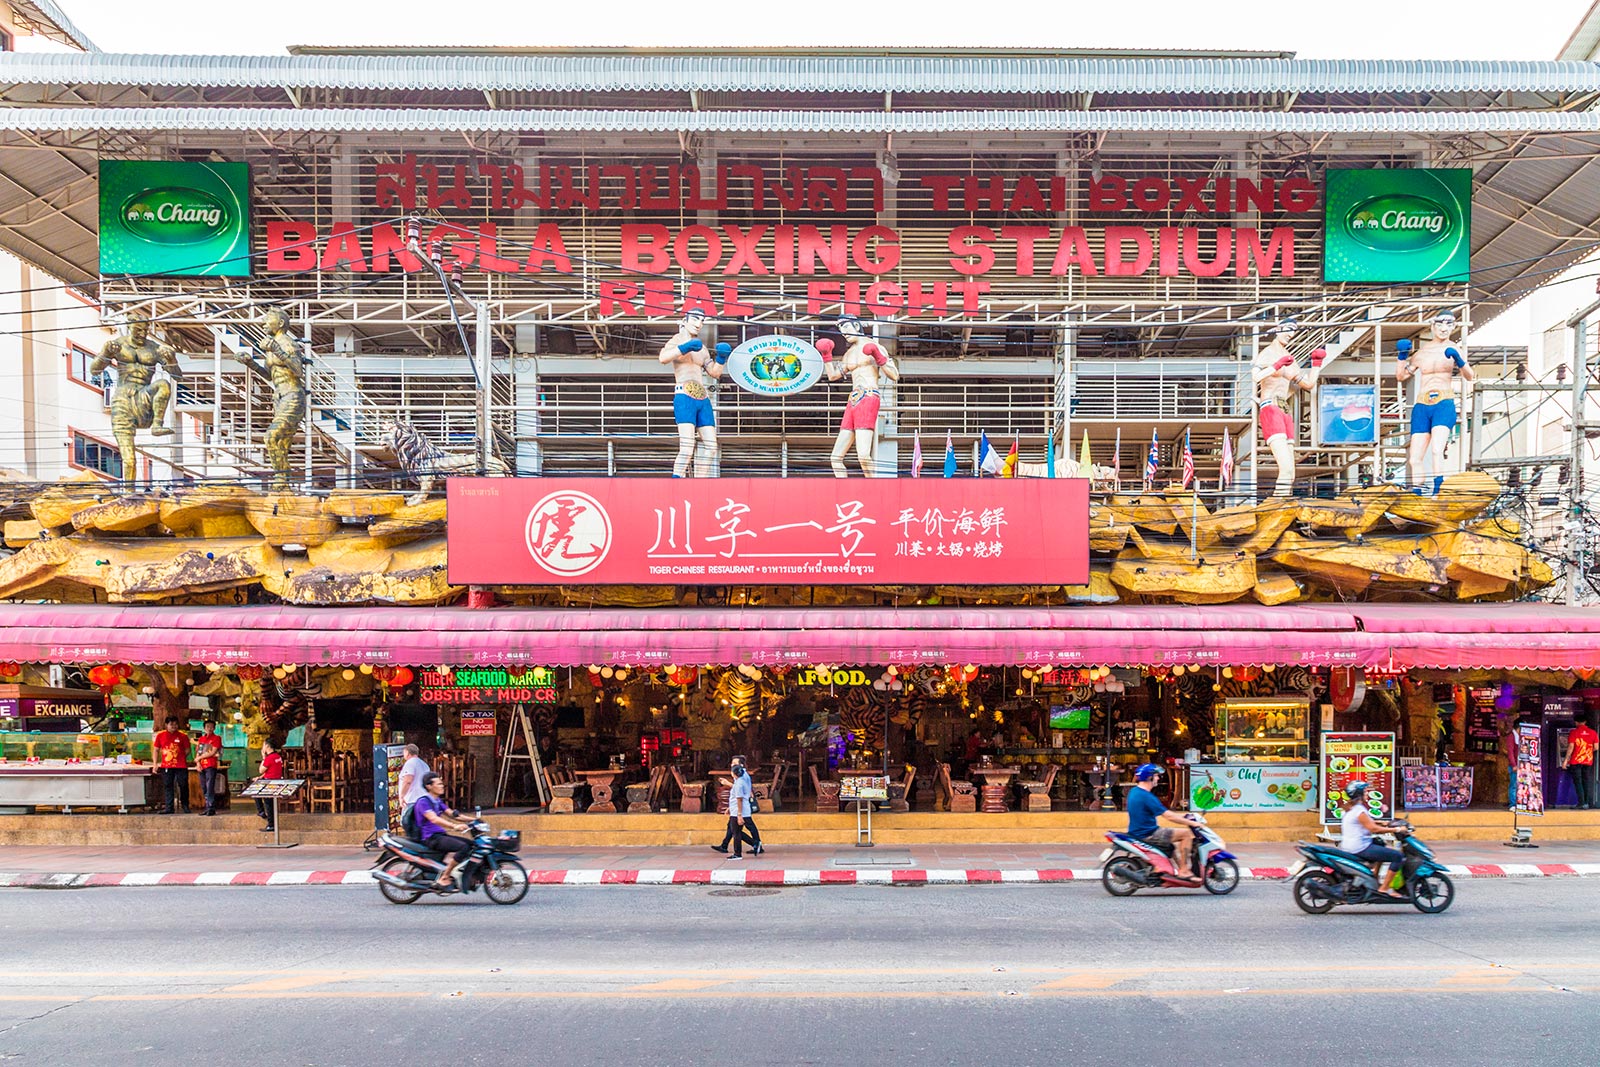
column 768, row 531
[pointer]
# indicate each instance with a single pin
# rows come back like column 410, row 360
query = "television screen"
column 1065, row 718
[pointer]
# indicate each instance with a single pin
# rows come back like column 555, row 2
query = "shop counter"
column 1266, row 786
column 56, row 783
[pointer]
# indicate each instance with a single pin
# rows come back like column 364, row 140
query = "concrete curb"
column 737, row 876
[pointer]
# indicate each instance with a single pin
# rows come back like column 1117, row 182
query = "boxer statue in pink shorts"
column 1276, row 377
column 862, row 360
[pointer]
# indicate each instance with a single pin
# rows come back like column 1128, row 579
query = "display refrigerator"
column 1262, row 759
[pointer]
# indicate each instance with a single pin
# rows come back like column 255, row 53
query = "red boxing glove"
column 825, row 346
column 1317, row 356
column 876, row 353
column 1284, row 360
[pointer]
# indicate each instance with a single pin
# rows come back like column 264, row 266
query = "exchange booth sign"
column 774, row 531
column 1397, row 226
column 174, row 218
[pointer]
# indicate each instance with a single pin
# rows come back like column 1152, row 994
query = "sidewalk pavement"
column 950, row 864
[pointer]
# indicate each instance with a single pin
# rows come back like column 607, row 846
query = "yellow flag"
column 1085, row 464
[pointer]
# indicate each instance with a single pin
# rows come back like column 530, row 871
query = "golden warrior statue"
column 138, row 402
column 286, row 365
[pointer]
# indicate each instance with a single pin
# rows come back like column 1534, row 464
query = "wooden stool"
column 828, row 797
column 638, row 797
column 994, row 797
column 565, row 798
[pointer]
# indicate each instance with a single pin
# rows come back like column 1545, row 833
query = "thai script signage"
column 773, row 531
column 823, row 231
column 774, row 365
column 177, row 218
column 1397, row 226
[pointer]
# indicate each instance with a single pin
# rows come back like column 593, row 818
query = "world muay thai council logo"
column 776, row 365
column 568, row 533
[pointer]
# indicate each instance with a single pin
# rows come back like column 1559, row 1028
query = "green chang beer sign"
column 174, row 218
column 1397, row 226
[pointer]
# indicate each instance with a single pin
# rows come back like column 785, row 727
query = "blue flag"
column 949, row 455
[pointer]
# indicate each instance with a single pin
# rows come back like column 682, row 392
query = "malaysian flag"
column 1151, row 462
column 1225, row 474
column 1188, row 461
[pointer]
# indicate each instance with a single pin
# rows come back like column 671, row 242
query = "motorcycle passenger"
column 1149, row 820
column 1357, row 828
column 440, row 827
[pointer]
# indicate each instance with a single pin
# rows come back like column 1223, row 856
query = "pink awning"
column 1422, row 635
column 93, row 633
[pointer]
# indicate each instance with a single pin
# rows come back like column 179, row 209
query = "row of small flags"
column 989, row 461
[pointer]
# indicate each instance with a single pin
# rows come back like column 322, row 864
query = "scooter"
column 407, row 870
column 1328, row 877
column 1132, row 864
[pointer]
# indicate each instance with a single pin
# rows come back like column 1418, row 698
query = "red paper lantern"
column 402, row 676
column 251, row 674
column 10, row 670
column 683, row 675
column 385, row 675
column 108, row 676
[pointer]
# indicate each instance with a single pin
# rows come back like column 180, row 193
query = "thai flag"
column 1152, row 461
column 1188, row 461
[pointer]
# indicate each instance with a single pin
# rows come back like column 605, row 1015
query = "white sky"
column 1346, row 29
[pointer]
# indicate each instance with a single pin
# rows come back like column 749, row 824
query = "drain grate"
column 744, row 892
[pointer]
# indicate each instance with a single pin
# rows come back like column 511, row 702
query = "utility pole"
column 485, row 362
column 1577, row 537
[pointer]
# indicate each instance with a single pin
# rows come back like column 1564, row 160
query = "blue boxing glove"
column 1456, row 358
column 724, row 350
column 1402, row 348
column 691, row 346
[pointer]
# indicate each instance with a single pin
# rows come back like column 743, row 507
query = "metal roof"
column 48, row 20
column 354, row 119
column 1000, row 72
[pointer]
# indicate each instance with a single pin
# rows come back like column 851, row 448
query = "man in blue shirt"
column 1149, row 820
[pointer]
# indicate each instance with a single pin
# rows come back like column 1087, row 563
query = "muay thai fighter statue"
column 1433, row 406
column 286, row 365
column 1276, row 376
column 863, row 360
column 139, row 401
column 691, row 402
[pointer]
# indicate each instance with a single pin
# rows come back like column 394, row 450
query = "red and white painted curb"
column 737, row 876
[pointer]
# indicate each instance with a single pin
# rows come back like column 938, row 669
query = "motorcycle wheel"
column 1120, row 876
column 1222, row 878
column 1309, row 900
column 403, row 870
column 1432, row 893
column 507, row 884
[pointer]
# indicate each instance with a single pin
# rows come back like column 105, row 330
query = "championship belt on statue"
column 693, row 389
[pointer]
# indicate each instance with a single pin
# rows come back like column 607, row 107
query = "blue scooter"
column 1328, row 877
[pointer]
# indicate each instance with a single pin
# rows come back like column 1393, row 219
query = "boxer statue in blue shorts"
column 1433, row 406
column 686, row 354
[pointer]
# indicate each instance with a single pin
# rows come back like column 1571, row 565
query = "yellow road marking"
column 1480, row 976
column 286, row 982
column 1088, row 980
column 678, row 985
column 223, row 995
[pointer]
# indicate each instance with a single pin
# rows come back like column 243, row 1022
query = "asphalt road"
column 913, row 976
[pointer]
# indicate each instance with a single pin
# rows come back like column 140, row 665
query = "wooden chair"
column 770, row 792
column 900, row 791
column 1036, row 791
column 827, row 793
column 960, row 795
column 692, row 795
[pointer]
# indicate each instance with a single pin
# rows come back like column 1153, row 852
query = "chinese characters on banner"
column 772, row 531
column 1349, row 758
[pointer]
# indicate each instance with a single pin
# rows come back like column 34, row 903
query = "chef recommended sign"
column 1397, row 226
column 1291, row 787
column 774, row 365
column 174, row 218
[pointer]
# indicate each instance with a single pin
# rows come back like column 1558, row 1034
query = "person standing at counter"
column 1578, row 759
column 271, row 770
column 209, row 746
column 172, row 759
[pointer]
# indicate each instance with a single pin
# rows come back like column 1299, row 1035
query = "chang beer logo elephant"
column 175, row 216
column 1399, row 222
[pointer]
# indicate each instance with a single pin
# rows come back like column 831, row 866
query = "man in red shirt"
column 272, row 771
column 1579, row 761
column 209, row 748
column 172, row 758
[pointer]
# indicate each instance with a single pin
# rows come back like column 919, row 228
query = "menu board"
column 478, row 723
column 1258, row 787
column 1436, row 787
column 268, row 788
column 1357, row 757
column 387, row 803
column 863, row 787
column 1530, row 781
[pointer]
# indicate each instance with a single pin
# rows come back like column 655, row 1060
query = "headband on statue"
column 693, row 321
column 850, row 324
column 1286, row 328
column 1445, row 318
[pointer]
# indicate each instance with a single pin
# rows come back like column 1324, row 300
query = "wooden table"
column 996, row 781
column 601, row 784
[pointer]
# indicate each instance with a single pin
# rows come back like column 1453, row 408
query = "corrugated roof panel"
column 909, row 122
column 997, row 73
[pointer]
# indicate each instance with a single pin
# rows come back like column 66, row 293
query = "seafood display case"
column 1262, row 760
